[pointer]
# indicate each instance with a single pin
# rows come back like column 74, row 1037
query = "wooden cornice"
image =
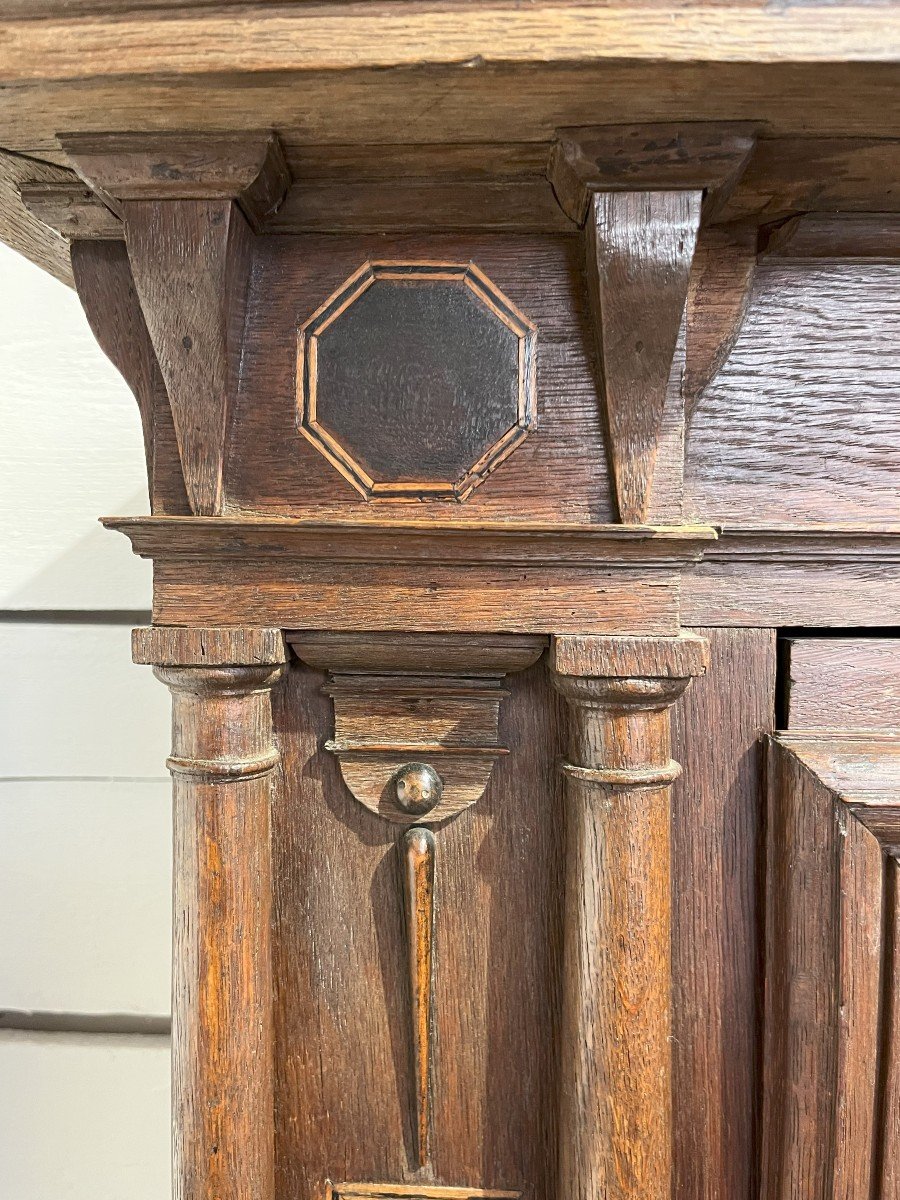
column 417, row 542
column 334, row 37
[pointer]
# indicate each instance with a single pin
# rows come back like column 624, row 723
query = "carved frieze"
column 416, row 379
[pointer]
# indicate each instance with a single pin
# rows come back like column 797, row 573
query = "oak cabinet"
column 524, row 530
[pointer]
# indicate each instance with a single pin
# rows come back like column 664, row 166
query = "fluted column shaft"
column 616, row 1061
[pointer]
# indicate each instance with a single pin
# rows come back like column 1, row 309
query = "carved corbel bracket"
column 416, row 718
column 189, row 205
column 638, row 190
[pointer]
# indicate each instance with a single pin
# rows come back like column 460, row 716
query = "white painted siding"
column 85, row 815
column 86, row 1117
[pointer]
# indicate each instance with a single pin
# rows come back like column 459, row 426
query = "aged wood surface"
column 717, row 818
column 828, row 235
column 843, row 682
column 812, row 575
column 651, row 157
column 222, row 761
column 427, row 700
column 616, row 1069
column 72, row 210
column 830, row 1065
column 19, row 227
column 190, row 260
column 639, row 247
column 344, row 1086
column 717, row 298
column 418, row 850
column 105, row 286
column 804, row 418
column 331, row 37
column 416, row 379
column 557, row 473
column 248, row 167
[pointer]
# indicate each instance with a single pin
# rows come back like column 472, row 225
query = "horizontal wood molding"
column 411, row 541
column 833, row 235
column 531, row 579
column 333, row 37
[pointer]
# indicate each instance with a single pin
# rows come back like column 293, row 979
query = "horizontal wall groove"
column 74, row 616
column 128, row 1024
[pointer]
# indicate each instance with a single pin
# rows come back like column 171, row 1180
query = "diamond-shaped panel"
column 416, row 378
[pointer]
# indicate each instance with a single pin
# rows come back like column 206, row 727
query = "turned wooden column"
column 616, row 1059
column 222, row 762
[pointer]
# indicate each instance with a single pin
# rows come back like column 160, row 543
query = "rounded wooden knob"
column 419, row 787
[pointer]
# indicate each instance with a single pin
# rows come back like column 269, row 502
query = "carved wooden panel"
column 416, row 378
column 832, row 1075
column 347, row 1091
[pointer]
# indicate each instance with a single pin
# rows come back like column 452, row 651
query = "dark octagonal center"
column 417, row 377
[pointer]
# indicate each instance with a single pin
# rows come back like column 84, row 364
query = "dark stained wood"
column 223, row 756
column 106, row 289
column 404, row 541
column 639, row 247
column 843, row 682
column 616, row 1069
column 831, row 235
column 717, row 298
column 829, row 962
column 717, row 919
column 246, row 167
column 416, row 379
column 418, row 853
column 693, row 156
column 802, row 422
column 344, row 1085
column 190, row 261
column 797, row 174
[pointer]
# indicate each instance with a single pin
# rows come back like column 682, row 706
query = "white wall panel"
column 85, row 893
column 72, row 452
column 73, row 704
column 84, row 1118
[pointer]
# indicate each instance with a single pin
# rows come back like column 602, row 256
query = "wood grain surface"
column 557, row 473
column 106, row 289
column 616, row 1069
column 190, row 261
column 332, row 37
column 717, row 920
column 843, row 682
column 639, row 246
column 830, row 1055
column 803, row 419
column 344, row 1092
column 222, row 760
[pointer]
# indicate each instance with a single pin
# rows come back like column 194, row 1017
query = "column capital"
column 219, row 646
column 625, row 657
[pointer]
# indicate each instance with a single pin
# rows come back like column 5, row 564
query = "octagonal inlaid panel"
column 416, row 379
